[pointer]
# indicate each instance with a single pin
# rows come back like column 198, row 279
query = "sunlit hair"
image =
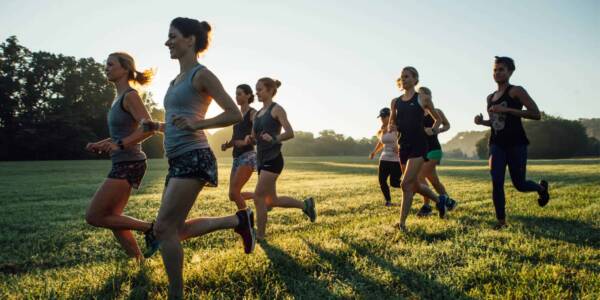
column 126, row 61
column 413, row 72
column 200, row 30
column 248, row 91
column 271, row 84
column 425, row 90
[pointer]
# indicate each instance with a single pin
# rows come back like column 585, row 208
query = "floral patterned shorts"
column 245, row 159
column 200, row 164
column 132, row 171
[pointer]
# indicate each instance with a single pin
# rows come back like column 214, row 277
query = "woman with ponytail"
column 266, row 133
column 124, row 147
column 407, row 116
column 192, row 164
column 244, row 156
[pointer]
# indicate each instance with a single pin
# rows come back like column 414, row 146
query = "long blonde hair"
column 127, row 62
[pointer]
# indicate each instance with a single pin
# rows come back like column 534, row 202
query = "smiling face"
column 113, row 70
column 179, row 45
column 263, row 93
column 501, row 73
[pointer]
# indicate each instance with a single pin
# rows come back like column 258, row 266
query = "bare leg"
column 106, row 208
column 236, row 183
column 201, row 226
column 265, row 191
column 178, row 198
column 409, row 185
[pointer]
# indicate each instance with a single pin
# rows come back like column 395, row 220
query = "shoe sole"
column 250, row 215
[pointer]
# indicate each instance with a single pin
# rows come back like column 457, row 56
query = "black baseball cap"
column 384, row 112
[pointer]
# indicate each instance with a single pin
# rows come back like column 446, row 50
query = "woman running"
column 408, row 114
column 389, row 162
column 508, row 141
column 434, row 157
column 244, row 156
column 267, row 133
column 128, row 160
column 192, row 165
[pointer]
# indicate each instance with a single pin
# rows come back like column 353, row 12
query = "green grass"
column 47, row 250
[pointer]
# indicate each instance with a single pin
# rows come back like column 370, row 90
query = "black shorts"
column 413, row 150
column 274, row 166
column 132, row 171
column 200, row 164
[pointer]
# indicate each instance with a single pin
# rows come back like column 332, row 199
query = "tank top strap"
column 271, row 108
column 194, row 71
column 122, row 99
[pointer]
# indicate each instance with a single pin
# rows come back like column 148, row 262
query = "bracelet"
column 120, row 144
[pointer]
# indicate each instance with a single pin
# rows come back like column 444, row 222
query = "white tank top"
column 390, row 146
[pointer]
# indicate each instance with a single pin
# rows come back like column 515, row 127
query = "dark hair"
column 271, row 84
column 507, row 61
column 201, row 30
column 248, row 91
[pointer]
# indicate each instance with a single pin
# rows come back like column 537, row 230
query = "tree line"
column 51, row 105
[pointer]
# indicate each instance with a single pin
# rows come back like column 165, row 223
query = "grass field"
column 47, row 250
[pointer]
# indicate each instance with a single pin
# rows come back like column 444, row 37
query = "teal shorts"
column 435, row 155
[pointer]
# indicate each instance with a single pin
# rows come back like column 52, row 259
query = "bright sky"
column 338, row 60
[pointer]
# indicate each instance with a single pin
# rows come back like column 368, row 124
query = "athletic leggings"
column 389, row 169
column 516, row 159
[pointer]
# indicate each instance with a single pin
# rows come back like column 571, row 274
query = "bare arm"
column 134, row 105
column 392, row 126
column 531, row 110
column 427, row 105
column 378, row 147
column 479, row 118
column 281, row 116
column 445, row 124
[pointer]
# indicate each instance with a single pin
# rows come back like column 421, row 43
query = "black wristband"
column 120, row 144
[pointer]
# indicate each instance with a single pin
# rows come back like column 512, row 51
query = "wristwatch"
column 120, row 144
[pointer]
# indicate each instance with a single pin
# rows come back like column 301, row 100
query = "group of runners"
column 407, row 138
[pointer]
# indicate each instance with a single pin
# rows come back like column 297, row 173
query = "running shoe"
column 544, row 195
column 245, row 229
column 152, row 244
column 441, row 205
column 309, row 209
column 424, row 211
column 451, row 204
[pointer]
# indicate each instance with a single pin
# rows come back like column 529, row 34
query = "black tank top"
column 240, row 131
column 267, row 124
column 432, row 140
column 409, row 120
column 507, row 129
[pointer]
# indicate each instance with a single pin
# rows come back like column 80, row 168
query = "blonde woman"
column 128, row 160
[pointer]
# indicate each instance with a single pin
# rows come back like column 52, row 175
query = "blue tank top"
column 122, row 124
column 182, row 99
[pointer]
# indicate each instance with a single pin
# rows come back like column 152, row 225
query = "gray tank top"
column 266, row 151
column 121, row 124
column 183, row 100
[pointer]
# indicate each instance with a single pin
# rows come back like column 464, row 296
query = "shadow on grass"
column 406, row 282
column 297, row 278
column 570, row 231
column 113, row 285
